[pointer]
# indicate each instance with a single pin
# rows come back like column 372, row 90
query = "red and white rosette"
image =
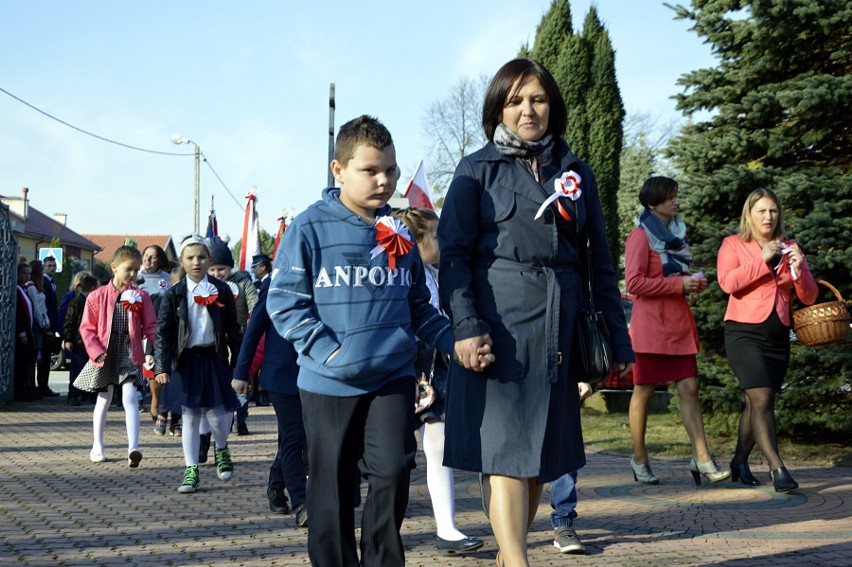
column 206, row 293
column 131, row 300
column 566, row 185
column 393, row 238
column 234, row 289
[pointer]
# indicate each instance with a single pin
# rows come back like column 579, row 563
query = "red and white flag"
column 251, row 236
column 417, row 190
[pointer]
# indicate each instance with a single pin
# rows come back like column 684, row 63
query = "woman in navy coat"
column 510, row 277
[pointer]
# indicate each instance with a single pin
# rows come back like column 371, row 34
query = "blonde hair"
column 746, row 231
column 124, row 253
column 419, row 221
column 77, row 279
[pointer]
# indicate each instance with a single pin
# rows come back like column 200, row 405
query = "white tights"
column 131, row 416
column 439, row 480
column 219, row 425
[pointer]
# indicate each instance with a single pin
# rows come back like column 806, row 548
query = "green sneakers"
column 224, row 466
column 190, row 480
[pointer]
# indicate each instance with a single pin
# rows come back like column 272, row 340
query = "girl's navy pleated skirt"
column 201, row 380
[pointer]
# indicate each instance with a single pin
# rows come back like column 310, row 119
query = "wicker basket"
column 824, row 323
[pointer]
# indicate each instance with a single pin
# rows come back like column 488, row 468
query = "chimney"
column 26, row 209
column 61, row 218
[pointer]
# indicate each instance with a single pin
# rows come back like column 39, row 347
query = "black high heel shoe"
column 782, row 481
column 741, row 473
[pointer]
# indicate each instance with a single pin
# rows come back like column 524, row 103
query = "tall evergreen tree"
column 584, row 68
column 779, row 102
column 553, row 30
column 606, row 134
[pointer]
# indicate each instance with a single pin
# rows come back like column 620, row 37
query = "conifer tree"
column 584, row 68
column 606, row 119
column 778, row 102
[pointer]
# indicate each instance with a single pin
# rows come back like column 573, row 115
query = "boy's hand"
column 585, row 390
column 162, row 378
column 623, row 368
column 469, row 351
column 69, row 346
column 240, row 386
column 485, row 356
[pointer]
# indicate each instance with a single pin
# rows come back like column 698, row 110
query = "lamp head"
column 178, row 139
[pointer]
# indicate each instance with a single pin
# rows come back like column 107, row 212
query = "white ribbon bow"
column 567, row 185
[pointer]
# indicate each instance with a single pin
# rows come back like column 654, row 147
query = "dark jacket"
column 52, row 304
column 279, row 370
column 518, row 278
column 173, row 327
column 73, row 316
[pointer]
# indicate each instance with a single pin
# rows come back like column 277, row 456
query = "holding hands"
column 474, row 353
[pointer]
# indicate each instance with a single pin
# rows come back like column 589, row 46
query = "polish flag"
column 417, row 190
column 251, row 236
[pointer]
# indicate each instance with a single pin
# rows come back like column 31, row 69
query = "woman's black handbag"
column 593, row 340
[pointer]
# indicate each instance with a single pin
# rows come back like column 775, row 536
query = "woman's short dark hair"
column 657, row 189
column 501, row 87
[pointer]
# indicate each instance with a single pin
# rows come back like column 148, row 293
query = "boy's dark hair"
column 362, row 131
column 501, row 87
column 49, row 259
column 88, row 283
column 657, row 189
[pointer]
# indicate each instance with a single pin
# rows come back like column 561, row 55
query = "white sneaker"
column 96, row 457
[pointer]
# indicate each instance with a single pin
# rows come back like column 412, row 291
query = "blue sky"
column 248, row 81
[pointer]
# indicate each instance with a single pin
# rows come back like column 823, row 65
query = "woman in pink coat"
column 759, row 269
column 662, row 328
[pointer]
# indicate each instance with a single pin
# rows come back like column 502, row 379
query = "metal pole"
column 197, row 187
column 330, row 132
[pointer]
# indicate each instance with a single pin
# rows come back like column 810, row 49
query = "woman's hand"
column 691, row 285
column 623, row 368
column 69, row 346
column 162, row 378
column 474, row 353
column 585, row 390
column 771, row 249
column 796, row 257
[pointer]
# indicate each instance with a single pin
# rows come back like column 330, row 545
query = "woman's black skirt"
column 758, row 353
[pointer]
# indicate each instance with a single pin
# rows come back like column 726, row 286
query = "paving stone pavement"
column 58, row 508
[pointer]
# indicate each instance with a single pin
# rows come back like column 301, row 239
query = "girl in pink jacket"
column 116, row 318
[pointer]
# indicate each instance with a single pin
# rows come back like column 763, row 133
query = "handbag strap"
column 585, row 250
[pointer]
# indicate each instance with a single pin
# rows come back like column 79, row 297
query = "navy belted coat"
column 505, row 273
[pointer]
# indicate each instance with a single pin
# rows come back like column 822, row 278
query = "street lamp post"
column 178, row 139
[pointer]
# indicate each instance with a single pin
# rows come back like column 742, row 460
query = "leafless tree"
column 453, row 126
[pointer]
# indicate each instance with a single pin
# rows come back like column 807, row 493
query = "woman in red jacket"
column 662, row 328
column 759, row 269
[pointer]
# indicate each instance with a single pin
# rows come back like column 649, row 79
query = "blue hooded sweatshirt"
column 328, row 292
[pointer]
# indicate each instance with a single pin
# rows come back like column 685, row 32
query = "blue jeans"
column 563, row 500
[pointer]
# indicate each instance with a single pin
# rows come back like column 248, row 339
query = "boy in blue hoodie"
column 348, row 290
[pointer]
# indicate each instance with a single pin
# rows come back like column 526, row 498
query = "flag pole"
column 330, row 133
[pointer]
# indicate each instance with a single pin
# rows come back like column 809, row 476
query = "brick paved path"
column 57, row 508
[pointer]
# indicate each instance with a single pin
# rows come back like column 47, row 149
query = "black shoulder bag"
column 593, row 340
